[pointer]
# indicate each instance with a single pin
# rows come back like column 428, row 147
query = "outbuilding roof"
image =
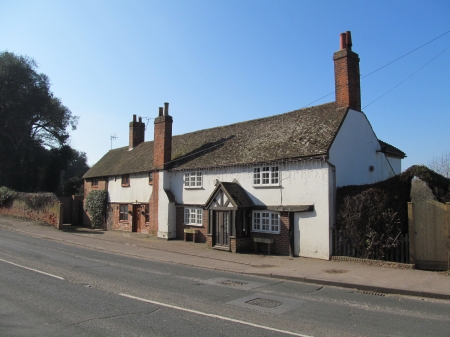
column 301, row 133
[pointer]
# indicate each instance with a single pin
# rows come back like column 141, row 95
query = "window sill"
column 125, row 185
column 265, row 232
column 267, row 186
column 193, row 187
column 193, row 224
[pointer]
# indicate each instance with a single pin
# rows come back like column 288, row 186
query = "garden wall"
column 43, row 207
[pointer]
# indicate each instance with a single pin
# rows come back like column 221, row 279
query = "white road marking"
column 35, row 270
column 214, row 316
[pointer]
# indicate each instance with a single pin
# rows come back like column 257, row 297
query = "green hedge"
column 96, row 207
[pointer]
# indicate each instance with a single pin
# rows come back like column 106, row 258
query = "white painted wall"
column 301, row 183
column 166, row 209
column 312, row 236
column 139, row 189
column 355, row 149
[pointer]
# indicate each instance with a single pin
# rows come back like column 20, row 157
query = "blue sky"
column 221, row 62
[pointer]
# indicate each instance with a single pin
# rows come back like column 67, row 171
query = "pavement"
column 345, row 274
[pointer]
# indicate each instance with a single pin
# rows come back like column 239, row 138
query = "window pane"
column 199, row 179
column 186, row 215
column 199, row 216
column 274, row 179
column 265, row 222
column 265, row 175
column 186, row 179
column 256, row 221
column 256, row 176
column 275, row 223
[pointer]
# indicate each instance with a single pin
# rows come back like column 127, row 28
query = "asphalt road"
column 48, row 288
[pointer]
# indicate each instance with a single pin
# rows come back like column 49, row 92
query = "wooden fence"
column 429, row 227
column 399, row 253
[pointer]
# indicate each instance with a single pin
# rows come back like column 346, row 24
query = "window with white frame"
column 193, row 216
column 265, row 221
column 266, row 176
column 193, row 179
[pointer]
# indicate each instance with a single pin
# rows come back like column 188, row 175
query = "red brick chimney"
column 346, row 75
column 162, row 145
column 137, row 133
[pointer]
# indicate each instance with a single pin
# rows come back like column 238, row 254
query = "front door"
column 221, row 228
column 135, row 226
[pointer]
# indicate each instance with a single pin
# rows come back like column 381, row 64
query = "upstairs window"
column 150, row 178
column 265, row 221
column 193, row 179
column 126, row 180
column 266, row 176
column 193, row 216
column 94, row 182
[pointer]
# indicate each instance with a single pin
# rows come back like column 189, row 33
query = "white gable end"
column 354, row 153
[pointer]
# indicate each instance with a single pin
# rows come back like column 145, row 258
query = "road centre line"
column 214, row 316
column 35, row 270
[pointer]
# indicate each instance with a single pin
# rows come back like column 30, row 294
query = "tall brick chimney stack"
column 346, row 75
column 162, row 145
column 137, row 133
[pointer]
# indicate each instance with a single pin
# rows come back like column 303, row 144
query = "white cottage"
column 267, row 183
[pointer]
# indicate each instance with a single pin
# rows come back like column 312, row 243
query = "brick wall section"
column 162, row 145
column 202, row 234
column 152, row 227
column 137, row 132
column 347, row 79
column 281, row 241
column 121, row 225
column 51, row 214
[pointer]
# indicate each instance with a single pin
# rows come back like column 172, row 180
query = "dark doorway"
column 221, row 229
column 135, row 223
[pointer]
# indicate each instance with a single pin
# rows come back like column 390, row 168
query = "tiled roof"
column 300, row 133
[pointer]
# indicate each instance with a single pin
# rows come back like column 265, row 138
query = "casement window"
column 123, row 213
column 94, row 182
column 125, row 180
column 193, row 216
column 150, row 178
column 193, row 179
column 266, row 176
column 147, row 213
column 265, row 221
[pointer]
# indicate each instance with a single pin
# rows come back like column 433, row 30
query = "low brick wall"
column 50, row 213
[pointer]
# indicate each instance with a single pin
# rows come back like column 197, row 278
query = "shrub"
column 5, row 194
column 96, row 207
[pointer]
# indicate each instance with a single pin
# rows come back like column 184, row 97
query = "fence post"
column 411, row 231
column 447, row 218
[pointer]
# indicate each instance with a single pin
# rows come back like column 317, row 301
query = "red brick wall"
column 162, row 145
column 281, row 241
column 347, row 79
column 51, row 213
column 137, row 132
column 202, row 234
column 152, row 227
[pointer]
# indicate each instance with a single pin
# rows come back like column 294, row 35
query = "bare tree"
column 441, row 164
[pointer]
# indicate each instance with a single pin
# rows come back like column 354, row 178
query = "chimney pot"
column 140, row 119
column 166, row 109
column 343, row 40
column 161, row 111
column 134, row 118
column 349, row 40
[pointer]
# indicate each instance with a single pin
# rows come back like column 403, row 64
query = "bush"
column 5, row 194
column 96, row 207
